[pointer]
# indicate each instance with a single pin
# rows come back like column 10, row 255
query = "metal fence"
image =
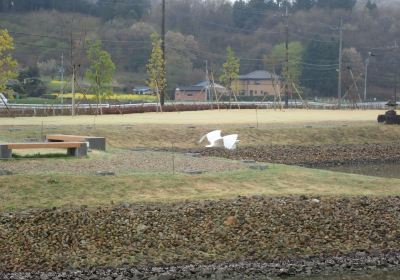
column 28, row 110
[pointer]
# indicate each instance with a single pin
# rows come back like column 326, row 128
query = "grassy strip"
column 43, row 191
column 39, row 155
column 128, row 136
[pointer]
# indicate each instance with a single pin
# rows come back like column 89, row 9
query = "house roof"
column 191, row 88
column 201, row 86
column 257, row 75
column 205, row 84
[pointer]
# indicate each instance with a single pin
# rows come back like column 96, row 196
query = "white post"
column 73, row 91
column 366, row 78
column 340, row 64
column 62, row 78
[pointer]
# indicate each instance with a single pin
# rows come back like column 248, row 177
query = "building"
column 142, row 90
column 202, row 91
column 258, row 83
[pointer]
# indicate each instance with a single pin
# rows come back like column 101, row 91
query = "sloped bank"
column 354, row 264
column 313, row 156
column 271, row 236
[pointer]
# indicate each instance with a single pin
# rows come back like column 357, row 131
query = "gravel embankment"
column 276, row 236
column 353, row 263
column 313, row 156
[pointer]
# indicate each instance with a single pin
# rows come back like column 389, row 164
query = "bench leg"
column 5, row 152
column 97, row 143
column 78, row 152
column 71, row 151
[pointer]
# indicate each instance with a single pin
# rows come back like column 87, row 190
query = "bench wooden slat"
column 50, row 145
column 96, row 143
column 66, row 137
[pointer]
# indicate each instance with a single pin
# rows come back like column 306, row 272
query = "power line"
column 66, row 39
column 77, row 49
column 316, row 40
column 222, row 56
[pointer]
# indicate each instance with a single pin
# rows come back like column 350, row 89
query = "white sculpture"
column 230, row 141
column 216, row 140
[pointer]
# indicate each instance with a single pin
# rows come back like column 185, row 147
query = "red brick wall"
column 181, row 95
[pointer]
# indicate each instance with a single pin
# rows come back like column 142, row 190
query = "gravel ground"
column 314, row 156
column 120, row 162
column 282, row 230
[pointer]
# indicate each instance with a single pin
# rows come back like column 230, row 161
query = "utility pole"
column 287, row 58
column 73, row 77
column 340, row 64
column 162, row 93
column 396, row 73
column 366, row 78
column 73, row 90
column 207, row 83
column 395, row 85
column 366, row 74
column 62, row 70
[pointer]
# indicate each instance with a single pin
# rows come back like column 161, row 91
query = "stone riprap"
column 318, row 155
column 244, row 230
column 353, row 264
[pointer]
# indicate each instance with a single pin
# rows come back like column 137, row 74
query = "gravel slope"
column 256, row 229
column 323, row 155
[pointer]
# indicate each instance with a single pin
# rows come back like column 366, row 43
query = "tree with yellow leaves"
column 156, row 69
column 8, row 66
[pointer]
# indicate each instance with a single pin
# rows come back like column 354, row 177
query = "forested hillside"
column 45, row 30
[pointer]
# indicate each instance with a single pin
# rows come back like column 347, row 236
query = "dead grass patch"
column 22, row 191
column 119, row 136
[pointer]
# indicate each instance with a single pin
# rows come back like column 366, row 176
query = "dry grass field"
column 222, row 117
column 183, row 136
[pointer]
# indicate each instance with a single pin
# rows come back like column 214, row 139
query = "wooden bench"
column 78, row 149
column 95, row 143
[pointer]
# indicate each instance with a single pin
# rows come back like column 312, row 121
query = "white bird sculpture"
column 230, row 141
column 216, row 140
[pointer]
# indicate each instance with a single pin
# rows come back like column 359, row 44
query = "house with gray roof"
column 258, row 83
column 202, row 91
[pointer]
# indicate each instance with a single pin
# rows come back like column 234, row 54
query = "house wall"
column 257, row 87
column 181, row 95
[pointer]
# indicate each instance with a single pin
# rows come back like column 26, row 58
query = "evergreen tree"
column 240, row 13
column 304, row 4
column 106, row 9
column 30, row 83
column 250, row 14
column 371, row 6
column 337, row 4
column 320, row 73
column 133, row 9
